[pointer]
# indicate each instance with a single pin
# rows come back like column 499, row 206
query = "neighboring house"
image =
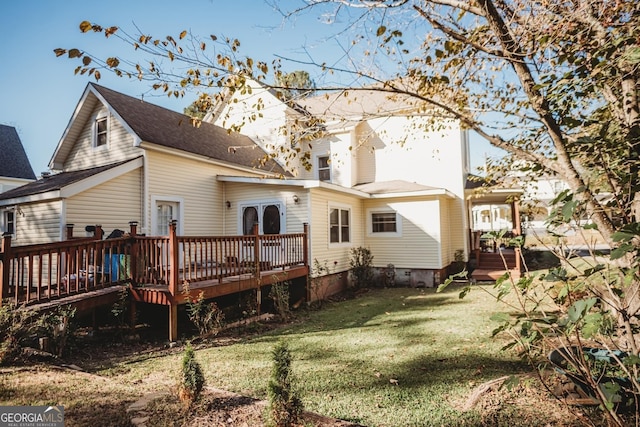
column 121, row 159
column 370, row 170
column 15, row 170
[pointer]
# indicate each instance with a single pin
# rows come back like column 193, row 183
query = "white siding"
column 194, row 183
column 111, row 204
column 405, row 150
column 38, row 223
column 421, row 240
column 119, row 145
column 257, row 113
column 319, row 228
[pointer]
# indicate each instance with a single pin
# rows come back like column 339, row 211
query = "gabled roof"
column 152, row 124
column 58, row 181
column 13, row 159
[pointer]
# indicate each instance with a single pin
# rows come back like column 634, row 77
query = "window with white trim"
column 324, row 168
column 383, row 223
column 100, row 132
column 339, row 225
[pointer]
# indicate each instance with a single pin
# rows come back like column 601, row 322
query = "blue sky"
column 39, row 92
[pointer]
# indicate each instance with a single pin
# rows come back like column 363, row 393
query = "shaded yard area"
column 390, row 357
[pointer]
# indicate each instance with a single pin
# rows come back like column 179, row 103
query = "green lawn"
column 392, row 357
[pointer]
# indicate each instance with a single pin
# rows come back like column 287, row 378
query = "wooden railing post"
column 5, row 248
column 305, row 244
column 256, row 251
column 135, row 251
column 174, row 276
column 97, row 232
column 174, row 258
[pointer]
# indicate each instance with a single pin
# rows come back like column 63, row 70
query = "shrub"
column 361, row 263
column 285, row 407
column 59, row 326
column 279, row 294
column 207, row 317
column 16, row 325
column 191, row 379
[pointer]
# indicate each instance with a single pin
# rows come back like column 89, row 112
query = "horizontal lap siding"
column 196, row 184
column 119, row 146
column 321, row 250
column 420, row 242
column 112, row 204
column 38, row 223
column 457, row 228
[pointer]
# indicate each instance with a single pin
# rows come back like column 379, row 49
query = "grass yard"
column 391, row 357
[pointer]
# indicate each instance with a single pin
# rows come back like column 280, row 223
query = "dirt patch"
column 216, row 407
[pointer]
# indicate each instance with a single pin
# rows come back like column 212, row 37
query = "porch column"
column 516, row 217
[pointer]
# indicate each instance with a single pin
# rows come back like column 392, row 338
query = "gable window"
column 324, row 168
column 9, row 222
column 100, row 132
column 385, row 223
column 339, row 225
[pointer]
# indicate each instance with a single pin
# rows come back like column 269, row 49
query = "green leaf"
column 621, row 251
column 568, row 209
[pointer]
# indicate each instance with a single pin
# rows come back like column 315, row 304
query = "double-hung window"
column 9, row 221
column 100, row 132
column 339, row 225
column 324, row 168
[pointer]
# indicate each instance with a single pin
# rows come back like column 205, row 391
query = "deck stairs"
column 490, row 266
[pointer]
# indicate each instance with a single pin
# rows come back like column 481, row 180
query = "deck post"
column 135, row 252
column 174, row 262
column 305, row 244
column 5, row 248
column 173, row 321
column 256, row 258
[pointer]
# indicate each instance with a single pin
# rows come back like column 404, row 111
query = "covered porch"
column 494, row 210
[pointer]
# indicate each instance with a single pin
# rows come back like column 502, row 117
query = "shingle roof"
column 13, row 159
column 167, row 128
column 56, row 181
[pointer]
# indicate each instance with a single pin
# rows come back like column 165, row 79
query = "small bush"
column 285, row 407
column 191, row 379
column 59, row 326
column 279, row 294
column 17, row 324
column 207, row 317
column 361, row 263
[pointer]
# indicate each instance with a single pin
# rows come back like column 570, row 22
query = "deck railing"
column 40, row 273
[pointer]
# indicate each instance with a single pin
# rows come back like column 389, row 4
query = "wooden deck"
column 168, row 270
